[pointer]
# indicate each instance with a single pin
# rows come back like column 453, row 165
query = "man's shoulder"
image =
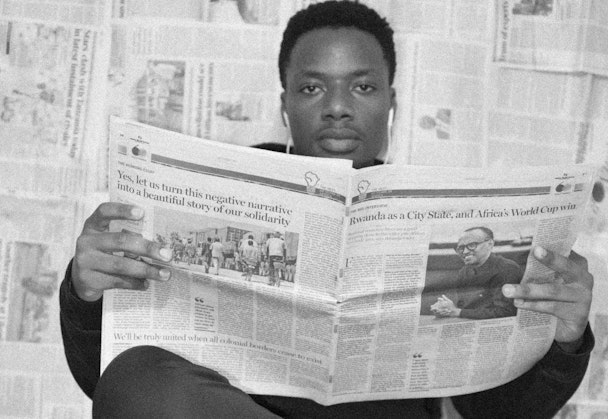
column 504, row 264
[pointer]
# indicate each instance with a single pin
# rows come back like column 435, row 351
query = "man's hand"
column 96, row 269
column 568, row 297
column 444, row 307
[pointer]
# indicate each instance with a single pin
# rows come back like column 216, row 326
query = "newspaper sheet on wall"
column 37, row 233
column 354, row 308
column 552, row 35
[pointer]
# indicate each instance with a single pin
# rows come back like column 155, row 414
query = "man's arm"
column 97, row 266
column 539, row 393
column 81, row 333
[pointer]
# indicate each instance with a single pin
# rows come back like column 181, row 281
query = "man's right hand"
column 95, row 268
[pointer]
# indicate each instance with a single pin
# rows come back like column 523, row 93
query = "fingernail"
column 145, row 285
column 164, row 274
column 137, row 212
column 518, row 302
column 540, row 253
column 165, row 253
column 508, row 290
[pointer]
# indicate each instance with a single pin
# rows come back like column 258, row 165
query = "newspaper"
column 349, row 313
column 35, row 246
column 553, row 35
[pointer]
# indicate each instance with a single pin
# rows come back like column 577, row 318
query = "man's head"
column 475, row 245
column 337, row 65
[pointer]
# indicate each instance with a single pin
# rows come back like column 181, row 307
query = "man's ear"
column 393, row 99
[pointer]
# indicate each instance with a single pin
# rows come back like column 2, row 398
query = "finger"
column 98, row 282
column 124, row 242
column 108, row 211
column 548, row 307
column 129, row 283
column 128, row 268
column 579, row 260
column 541, row 292
column 560, row 264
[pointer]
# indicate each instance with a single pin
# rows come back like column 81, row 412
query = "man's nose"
column 338, row 104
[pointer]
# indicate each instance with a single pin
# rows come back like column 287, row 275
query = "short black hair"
column 338, row 14
column 489, row 233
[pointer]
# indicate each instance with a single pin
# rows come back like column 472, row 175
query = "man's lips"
column 339, row 145
column 339, row 141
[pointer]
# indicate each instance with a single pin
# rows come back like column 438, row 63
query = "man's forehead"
column 472, row 236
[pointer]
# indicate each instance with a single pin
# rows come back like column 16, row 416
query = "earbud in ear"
column 391, row 118
column 286, row 123
column 285, row 119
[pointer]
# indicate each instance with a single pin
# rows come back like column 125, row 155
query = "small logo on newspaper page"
column 563, row 187
column 362, row 188
column 138, row 148
column 311, row 179
column 139, row 152
column 567, row 184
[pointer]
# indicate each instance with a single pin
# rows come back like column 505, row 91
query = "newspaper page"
column 37, row 233
column 403, row 242
column 53, row 66
column 552, row 35
column 224, row 88
column 206, row 208
column 441, row 111
column 256, row 12
column 352, row 306
column 45, row 79
column 539, row 118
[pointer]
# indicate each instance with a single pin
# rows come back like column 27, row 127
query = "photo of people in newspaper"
column 465, row 274
column 533, row 7
column 244, row 11
column 32, row 292
column 159, row 94
column 216, row 247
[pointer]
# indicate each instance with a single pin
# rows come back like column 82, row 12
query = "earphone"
column 285, row 119
column 389, row 134
column 391, row 118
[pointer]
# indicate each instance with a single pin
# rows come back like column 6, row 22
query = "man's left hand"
column 568, row 297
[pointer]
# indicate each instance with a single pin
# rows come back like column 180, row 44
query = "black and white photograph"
column 467, row 267
column 228, row 249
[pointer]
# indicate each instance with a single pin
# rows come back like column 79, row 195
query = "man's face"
column 482, row 250
column 337, row 95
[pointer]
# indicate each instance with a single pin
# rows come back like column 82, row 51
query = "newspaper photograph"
column 552, row 35
column 335, row 284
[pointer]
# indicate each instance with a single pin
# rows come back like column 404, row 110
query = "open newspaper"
column 351, row 305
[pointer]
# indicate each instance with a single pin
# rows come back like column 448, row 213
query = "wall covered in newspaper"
column 479, row 84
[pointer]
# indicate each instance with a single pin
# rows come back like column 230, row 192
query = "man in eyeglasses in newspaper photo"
column 479, row 283
column 337, row 65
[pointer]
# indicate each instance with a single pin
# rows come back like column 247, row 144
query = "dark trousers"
column 149, row 382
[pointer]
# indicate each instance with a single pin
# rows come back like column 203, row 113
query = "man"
column 337, row 66
column 190, row 251
column 217, row 254
column 250, row 257
column 479, row 283
column 275, row 249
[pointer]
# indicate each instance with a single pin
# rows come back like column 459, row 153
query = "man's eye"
column 365, row 88
column 311, row 90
